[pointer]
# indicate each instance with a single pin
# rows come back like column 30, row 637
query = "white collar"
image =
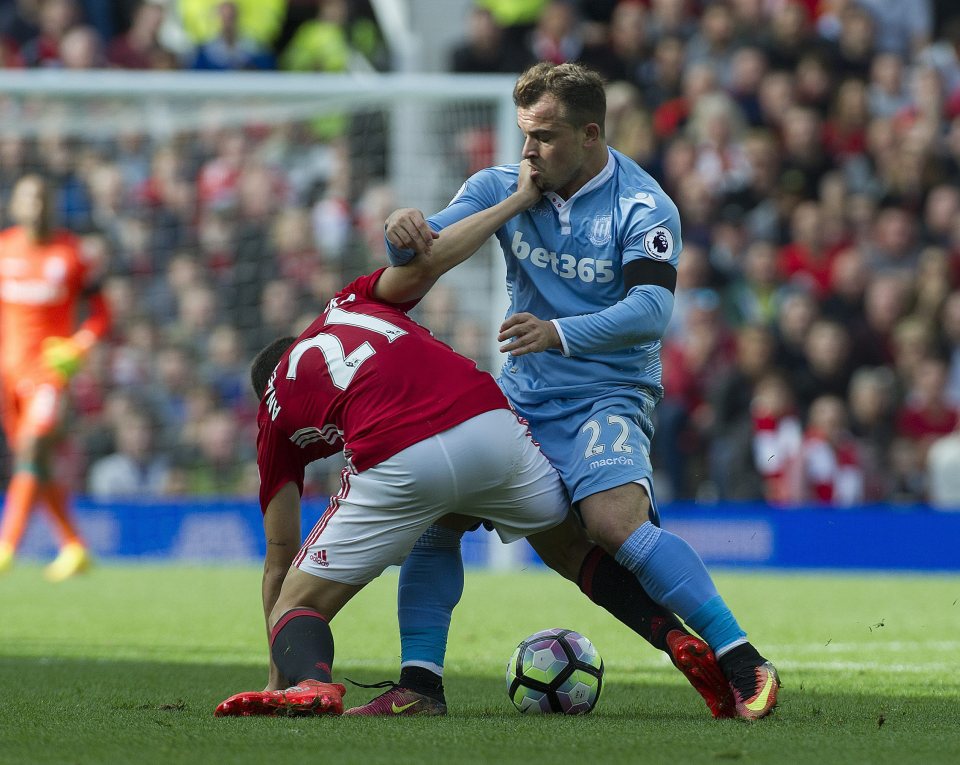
column 562, row 206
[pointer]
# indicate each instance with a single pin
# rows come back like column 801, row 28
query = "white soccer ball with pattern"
column 555, row 671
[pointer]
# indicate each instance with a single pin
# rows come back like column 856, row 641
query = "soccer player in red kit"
column 43, row 278
column 426, row 436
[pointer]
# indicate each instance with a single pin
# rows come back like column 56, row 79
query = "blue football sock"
column 717, row 625
column 673, row 574
column 431, row 583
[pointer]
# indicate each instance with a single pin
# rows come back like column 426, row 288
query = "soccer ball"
column 555, row 671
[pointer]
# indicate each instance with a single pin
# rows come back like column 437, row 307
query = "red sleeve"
column 99, row 319
column 279, row 462
column 363, row 288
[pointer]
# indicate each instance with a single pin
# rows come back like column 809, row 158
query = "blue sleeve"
column 640, row 317
column 479, row 192
column 650, row 228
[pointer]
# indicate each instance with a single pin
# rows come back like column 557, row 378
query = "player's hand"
column 407, row 229
column 526, row 184
column 527, row 334
column 62, row 355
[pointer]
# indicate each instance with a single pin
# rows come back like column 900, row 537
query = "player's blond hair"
column 578, row 90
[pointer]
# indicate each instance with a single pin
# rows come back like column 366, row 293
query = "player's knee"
column 611, row 530
column 28, row 453
column 611, row 517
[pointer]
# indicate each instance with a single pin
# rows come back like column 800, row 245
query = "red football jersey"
column 40, row 286
column 365, row 378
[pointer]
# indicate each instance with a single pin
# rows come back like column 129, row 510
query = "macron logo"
column 594, row 464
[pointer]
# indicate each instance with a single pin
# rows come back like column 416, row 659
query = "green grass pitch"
column 126, row 665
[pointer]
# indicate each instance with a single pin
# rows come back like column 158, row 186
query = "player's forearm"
column 281, row 527
column 456, row 243
column 273, row 576
column 462, row 239
column 96, row 323
column 272, row 582
column 642, row 316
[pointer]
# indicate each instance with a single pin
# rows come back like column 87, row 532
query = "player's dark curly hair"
column 266, row 361
column 576, row 88
column 46, row 223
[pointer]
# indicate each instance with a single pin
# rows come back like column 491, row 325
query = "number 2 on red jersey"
column 341, row 366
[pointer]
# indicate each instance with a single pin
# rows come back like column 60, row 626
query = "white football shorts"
column 488, row 467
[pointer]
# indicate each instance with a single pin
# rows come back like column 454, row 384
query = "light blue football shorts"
column 596, row 444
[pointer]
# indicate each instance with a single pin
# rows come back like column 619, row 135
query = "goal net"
column 226, row 210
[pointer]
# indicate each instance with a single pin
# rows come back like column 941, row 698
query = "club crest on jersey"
column 658, row 243
column 600, row 232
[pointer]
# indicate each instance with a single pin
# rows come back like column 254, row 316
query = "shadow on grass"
column 153, row 686
column 106, row 710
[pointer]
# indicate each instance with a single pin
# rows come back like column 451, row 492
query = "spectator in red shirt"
column 926, row 413
column 832, row 473
column 56, row 18
column 557, row 36
column 808, row 257
column 845, row 133
column 139, row 47
column 777, row 439
column 9, row 55
column 672, row 115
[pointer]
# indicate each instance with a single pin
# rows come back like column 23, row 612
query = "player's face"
column 555, row 148
column 28, row 202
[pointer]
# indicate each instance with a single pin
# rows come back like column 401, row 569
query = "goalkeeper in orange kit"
column 43, row 279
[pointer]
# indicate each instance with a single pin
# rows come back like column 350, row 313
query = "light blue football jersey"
column 565, row 259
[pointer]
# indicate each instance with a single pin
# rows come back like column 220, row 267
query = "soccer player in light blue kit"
column 591, row 272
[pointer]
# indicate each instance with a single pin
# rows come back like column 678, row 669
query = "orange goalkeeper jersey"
column 40, row 283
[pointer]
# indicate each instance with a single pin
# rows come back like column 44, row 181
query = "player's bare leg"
column 29, row 485
column 73, row 558
column 566, row 549
column 302, row 649
column 675, row 576
column 21, row 497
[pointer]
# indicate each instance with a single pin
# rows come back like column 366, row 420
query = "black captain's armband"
column 639, row 272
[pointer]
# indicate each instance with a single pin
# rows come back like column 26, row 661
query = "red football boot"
column 696, row 661
column 310, row 697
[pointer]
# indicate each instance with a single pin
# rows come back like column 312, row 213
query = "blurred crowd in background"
column 812, row 147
